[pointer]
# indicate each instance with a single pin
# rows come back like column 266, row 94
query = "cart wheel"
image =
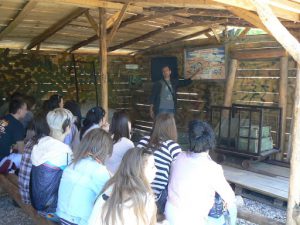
column 246, row 164
column 221, row 158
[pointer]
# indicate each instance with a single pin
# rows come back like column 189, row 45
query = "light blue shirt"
column 79, row 188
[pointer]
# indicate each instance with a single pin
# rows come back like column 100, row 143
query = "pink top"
column 194, row 179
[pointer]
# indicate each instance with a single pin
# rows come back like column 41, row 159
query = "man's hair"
column 164, row 66
column 15, row 105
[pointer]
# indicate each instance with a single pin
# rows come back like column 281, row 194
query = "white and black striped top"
column 163, row 157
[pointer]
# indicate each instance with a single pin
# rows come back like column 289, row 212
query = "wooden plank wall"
column 257, row 82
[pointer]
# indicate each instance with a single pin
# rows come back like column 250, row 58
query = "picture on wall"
column 205, row 63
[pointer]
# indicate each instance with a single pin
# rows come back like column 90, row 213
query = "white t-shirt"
column 119, row 150
column 194, row 179
column 128, row 212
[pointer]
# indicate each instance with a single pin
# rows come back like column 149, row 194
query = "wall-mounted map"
column 205, row 63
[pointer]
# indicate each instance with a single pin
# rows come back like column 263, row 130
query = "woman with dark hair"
column 41, row 129
column 163, row 141
column 127, row 198
column 195, row 181
column 83, row 180
column 55, row 101
column 120, row 129
column 74, row 107
column 94, row 119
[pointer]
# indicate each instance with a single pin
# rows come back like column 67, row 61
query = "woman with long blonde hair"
column 127, row 197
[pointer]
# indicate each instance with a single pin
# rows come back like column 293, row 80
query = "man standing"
column 12, row 134
column 164, row 93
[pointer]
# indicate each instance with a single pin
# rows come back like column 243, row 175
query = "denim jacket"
column 79, row 187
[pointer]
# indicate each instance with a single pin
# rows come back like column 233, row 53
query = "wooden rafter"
column 97, row 4
column 244, row 32
column 18, row 18
column 161, row 30
column 181, row 19
column 248, row 16
column 217, row 36
column 117, row 24
column 279, row 32
column 91, row 20
column 145, row 36
column 56, row 27
column 109, row 23
column 198, row 33
column 127, row 22
column 282, row 8
column 279, row 10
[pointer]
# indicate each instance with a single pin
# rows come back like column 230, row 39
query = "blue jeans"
column 161, row 201
column 231, row 214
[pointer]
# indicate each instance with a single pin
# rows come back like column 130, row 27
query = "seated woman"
column 72, row 139
column 83, row 180
column 94, row 119
column 40, row 129
column 163, row 141
column 49, row 158
column 195, row 179
column 127, row 197
column 120, row 129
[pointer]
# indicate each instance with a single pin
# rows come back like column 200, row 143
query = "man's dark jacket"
column 156, row 89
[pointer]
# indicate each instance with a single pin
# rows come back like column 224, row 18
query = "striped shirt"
column 163, row 156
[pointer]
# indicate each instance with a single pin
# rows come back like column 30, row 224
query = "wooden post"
column 103, row 60
column 294, row 189
column 283, row 83
column 230, row 83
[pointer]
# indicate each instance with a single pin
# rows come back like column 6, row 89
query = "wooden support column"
column 103, row 59
column 294, row 189
column 230, row 83
column 283, row 85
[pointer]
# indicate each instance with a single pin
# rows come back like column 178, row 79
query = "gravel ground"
column 263, row 209
column 11, row 215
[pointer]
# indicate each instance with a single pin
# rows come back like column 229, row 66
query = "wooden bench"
column 10, row 184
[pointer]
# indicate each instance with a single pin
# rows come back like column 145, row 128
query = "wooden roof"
column 71, row 25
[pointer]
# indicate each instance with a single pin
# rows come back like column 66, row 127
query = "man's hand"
column 151, row 112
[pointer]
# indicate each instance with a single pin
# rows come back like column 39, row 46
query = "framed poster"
column 206, row 63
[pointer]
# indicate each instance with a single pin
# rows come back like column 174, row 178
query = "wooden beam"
column 294, row 189
column 181, row 19
column 127, row 22
column 283, row 86
column 280, row 33
column 18, row 18
column 96, row 4
column 207, row 35
column 145, row 36
column 248, row 16
column 247, row 5
column 216, row 34
column 258, row 54
column 198, row 33
column 103, row 60
column 117, row 24
column 230, row 83
column 91, row 20
column 244, row 32
column 56, row 27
